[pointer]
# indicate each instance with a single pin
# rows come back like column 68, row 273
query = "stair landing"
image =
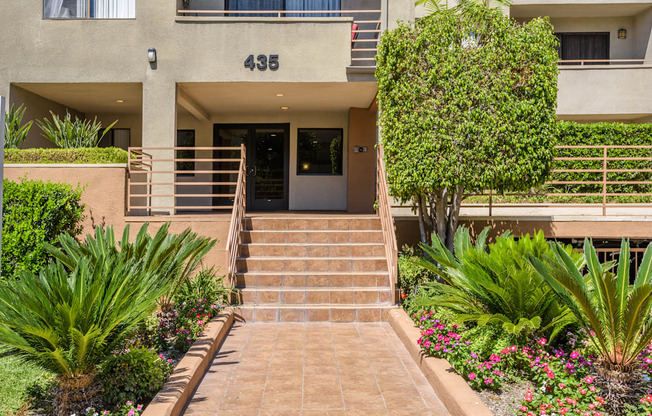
column 299, row 268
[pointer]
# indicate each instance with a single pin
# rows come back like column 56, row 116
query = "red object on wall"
column 354, row 34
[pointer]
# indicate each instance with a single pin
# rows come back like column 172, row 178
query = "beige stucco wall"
column 362, row 165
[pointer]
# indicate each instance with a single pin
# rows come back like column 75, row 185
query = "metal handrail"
column 237, row 218
column 582, row 62
column 384, row 210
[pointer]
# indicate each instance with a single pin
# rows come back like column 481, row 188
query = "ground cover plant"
column 599, row 366
column 95, row 155
column 467, row 103
column 35, row 213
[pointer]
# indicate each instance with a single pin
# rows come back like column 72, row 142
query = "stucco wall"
column 362, row 166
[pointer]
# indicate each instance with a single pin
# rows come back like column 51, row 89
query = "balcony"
column 365, row 17
column 89, row 9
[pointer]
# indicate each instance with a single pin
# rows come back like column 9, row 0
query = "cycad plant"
column 69, row 322
column 496, row 284
column 15, row 133
column 617, row 313
column 67, row 134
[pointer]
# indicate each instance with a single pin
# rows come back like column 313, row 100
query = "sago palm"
column 617, row 313
column 496, row 284
column 68, row 322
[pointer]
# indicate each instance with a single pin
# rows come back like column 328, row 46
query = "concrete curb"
column 175, row 394
column 458, row 397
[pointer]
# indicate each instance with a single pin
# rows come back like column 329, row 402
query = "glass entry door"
column 267, row 161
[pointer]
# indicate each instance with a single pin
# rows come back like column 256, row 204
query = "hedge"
column 34, row 212
column 83, row 155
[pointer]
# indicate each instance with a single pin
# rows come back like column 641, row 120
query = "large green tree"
column 467, row 102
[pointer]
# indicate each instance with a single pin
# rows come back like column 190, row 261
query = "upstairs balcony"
column 365, row 17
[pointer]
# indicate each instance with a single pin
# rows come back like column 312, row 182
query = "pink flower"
column 588, row 379
column 472, row 376
column 488, row 380
column 129, row 403
column 542, row 341
column 139, row 407
column 132, row 412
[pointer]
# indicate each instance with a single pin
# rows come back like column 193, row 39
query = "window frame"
column 190, row 172
column 338, row 129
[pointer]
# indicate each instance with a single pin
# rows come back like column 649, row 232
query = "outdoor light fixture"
column 280, row 94
column 120, row 101
column 151, row 55
column 622, row 34
column 284, row 108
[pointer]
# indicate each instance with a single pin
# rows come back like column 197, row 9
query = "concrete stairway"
column 313, row 268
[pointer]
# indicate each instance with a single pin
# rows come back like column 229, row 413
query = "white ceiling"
column 569, row 8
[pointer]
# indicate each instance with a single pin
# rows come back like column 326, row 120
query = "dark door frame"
column 250, row 151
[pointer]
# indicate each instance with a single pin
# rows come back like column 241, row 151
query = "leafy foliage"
column 467, row 102
column 35, row 213
column 15, row 133
column 137, row 375
column 617, row 313
column 496, row 284
column 67, row 134
column 411, row 276
column 82, row 155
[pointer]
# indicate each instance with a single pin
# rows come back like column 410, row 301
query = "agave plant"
column 68, row 134
column 15, row 133
column 495, row 283
column 618, row 314
column 70, row 321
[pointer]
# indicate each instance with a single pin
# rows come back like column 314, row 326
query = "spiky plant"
column 618, row 314
column 69, row 322
column 67, row 134
column 15, row 133
column 495, row 283
column 170, row 256
column 465, row 6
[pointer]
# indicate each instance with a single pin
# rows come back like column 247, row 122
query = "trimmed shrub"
column 409, row 274
column 33, row 213
column 135, row 376
column 80, row 155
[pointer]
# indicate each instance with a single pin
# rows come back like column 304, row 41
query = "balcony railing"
column 607, row 177
column 365, row 29
column 587, row 62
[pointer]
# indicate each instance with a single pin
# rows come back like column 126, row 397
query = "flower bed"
column 563, row 376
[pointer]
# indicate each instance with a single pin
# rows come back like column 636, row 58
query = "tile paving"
column 310, row 369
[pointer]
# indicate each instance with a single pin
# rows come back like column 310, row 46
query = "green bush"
column 80, row 155
column 67, row 134
column 409, row 274
column 135, row 376
column 497, row 284
column 34, row 213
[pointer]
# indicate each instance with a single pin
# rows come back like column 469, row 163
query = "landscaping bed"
column 93, row 155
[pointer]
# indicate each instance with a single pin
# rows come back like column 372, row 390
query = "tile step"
column 315, row 313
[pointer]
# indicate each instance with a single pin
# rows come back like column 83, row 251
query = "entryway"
column 267, row 161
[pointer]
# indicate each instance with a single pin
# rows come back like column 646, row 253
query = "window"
column 583, row 46
column 89, row 9
column 319, row 152
column 186, row 138
column 120, row 138
column 279, row 5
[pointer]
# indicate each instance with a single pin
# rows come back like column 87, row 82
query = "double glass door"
column 267, row 162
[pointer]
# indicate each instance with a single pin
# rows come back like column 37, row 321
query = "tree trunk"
column 439, row 214
column 453, row 217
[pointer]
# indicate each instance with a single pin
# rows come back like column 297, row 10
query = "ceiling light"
column 280, row 94
column 120, row 101
column 285, row 108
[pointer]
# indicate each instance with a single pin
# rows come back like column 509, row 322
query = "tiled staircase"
column 313, row 268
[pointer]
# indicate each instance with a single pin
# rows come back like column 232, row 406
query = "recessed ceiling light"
column 284, row 108
column 280, row 94
column 119, row 101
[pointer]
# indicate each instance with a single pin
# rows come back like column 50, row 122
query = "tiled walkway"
column 323, row 369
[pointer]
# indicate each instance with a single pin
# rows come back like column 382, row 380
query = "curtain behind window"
column 113, row 9
column 255, row 5
column 313, row 5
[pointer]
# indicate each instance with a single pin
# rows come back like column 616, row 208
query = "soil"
column 507, row 401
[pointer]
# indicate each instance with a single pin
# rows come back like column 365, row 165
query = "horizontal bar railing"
column 582, row 62
column 384, row 210
column 365, row 31
column 157, row 183
column 603, row 179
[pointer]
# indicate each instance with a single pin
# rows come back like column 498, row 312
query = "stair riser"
column 325, row 265
column 313, row 315
column 262, row 297
column 312, row 237
column 312, row 224
column 335, row 280
column 318, row 250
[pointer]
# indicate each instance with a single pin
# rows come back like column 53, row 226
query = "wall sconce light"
column 622, row 34
column 151, row 55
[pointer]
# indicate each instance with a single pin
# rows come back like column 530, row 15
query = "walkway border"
column 458, row 397
column 171, row 400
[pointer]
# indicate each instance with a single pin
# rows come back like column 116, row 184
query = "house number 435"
column 262, row 62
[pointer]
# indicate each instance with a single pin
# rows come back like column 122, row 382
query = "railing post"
column 491, row 198
column 604, row 180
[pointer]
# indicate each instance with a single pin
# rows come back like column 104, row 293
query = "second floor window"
column 580, row 46
column 280, row 5
column 89, row 9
